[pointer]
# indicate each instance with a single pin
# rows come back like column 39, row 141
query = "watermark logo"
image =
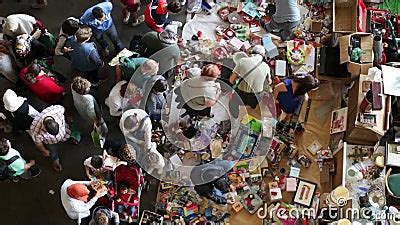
column 341, row 202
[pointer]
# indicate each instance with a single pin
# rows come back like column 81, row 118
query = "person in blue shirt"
column 98, row 17
column 286, row 19
column 289, row 92
column 85, row 57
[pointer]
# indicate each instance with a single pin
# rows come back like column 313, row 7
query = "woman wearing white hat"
column 18, row 111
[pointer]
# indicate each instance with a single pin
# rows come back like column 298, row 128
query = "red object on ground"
column 45, row 87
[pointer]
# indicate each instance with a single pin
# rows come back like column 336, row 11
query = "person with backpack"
column 13, row 165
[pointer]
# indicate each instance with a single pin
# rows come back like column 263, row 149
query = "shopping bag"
column 99, row 133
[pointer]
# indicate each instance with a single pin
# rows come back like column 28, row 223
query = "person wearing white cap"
column 18, row 111
column 250, row 75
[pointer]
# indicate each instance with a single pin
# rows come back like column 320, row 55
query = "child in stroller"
column 125, row 194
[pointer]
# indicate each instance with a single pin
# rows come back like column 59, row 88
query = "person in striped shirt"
column 49, row 128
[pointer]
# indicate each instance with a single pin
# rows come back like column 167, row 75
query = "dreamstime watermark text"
column 329, row 213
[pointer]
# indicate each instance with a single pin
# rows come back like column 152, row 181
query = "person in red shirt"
column 156, row 14
column 43, row 83
column 130, row 11
column 126, row 201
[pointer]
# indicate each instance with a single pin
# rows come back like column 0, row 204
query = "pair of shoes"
column 15, row 179
column 177, row 23
column 57, row 165
column 139, row 20
column 126, row 19
column 105, row 53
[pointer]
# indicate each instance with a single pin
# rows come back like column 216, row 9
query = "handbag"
column 100, row 129
column 99, row 133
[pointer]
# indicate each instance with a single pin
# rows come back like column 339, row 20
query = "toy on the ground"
column 304, row 161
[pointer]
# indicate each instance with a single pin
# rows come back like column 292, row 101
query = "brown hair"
column 211, row 70
column 101, row 218
column 127, row 153
column 80, row 85
column 83, row 34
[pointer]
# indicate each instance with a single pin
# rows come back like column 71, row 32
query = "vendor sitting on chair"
column 289, row 92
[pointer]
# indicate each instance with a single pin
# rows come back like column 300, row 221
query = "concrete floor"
column 29, row 202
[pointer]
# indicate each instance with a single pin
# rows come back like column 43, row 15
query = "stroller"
column 133, row 177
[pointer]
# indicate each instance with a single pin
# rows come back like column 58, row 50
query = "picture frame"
column 314, row 147
column 251, row 201
column 338, row 120
column 305, row 192
column 267, row 172
column 393, row 154
column 366, row 85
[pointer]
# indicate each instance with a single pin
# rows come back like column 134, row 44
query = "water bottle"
column 194, row 6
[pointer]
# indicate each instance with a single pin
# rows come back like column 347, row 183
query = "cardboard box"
column 356, row 132
column 316, row 26
column 345, row 16
column 366, row 42
column 358, row 68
